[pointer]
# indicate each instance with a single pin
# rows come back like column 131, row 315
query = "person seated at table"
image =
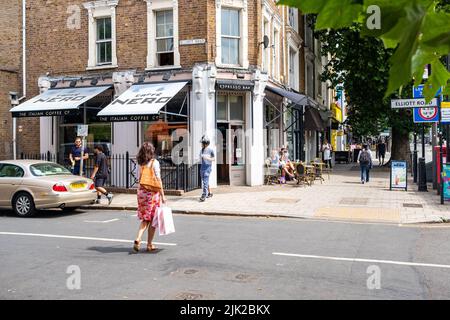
column 275, row 159
column 286, row 166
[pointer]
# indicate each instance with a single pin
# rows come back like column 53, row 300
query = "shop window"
column 222, row 108
column 164, row 38
column 230, row 36
column 236, row 108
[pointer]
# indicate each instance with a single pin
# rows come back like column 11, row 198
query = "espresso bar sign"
column 235, row 86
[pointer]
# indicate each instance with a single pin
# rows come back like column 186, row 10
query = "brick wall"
column 8, row 82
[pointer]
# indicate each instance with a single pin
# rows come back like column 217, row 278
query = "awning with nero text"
column 57, row 102
column 141, row 102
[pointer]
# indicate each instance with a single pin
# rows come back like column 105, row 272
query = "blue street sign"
column 418, row 92
column 422, row 115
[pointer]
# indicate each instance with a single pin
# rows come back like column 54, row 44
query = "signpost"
column 82, row 131
column 399, row 176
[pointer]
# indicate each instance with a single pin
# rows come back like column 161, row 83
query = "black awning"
column 296, row 98
column 313, row 121
column 234, row 85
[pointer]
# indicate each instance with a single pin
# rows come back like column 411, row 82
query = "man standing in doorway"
column 75, row 157
column 100, row 174
column 381, row 152
column 207, row 157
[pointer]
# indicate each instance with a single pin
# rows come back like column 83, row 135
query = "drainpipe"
column 24, row 69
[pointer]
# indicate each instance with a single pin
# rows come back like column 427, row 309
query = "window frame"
column 232, row 37
column 163, row 38
column 98, row 42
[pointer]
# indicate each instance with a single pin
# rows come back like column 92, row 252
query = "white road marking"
column 107, row 221
column 402, row 263
column 79, row 238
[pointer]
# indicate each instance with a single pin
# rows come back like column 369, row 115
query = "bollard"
column 422, row 176
column 415, row 166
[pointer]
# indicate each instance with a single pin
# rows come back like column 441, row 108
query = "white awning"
column 56, row 102
column 141, row 102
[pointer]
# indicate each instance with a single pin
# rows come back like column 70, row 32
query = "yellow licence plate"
column 77, row 186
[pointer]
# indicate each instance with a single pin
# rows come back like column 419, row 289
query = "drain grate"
column 412, row 205
column 282, row 200
column 354, row 201
column 189, row 296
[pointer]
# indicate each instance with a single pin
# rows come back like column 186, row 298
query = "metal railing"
column 124, row 171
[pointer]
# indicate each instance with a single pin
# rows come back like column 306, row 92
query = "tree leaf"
column 305, row 6
column 338, row 14
column 439, row 76
column 436, row 31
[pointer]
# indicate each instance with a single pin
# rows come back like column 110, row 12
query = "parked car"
column 27, row 185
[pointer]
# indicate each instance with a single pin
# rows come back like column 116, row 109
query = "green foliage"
column 417, row 30
column 362, row 65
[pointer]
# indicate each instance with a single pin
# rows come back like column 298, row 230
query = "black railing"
column 124, row 169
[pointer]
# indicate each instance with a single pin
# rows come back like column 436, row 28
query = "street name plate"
column 192, row 41
column 412, row 103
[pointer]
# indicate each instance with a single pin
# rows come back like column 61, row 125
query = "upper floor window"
column 104, row 41
column 231, row 36
column 293, row 18
column 276, row 54
column 102, row 33
column 164, row 38
column 162, row 34
column 265, row 51
column 293, row 69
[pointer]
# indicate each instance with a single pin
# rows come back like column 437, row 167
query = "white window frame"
column 276, row 56
column 97, row 10
column 293, row 13
column 296, row 80
column 152, row 7
column 241, row 5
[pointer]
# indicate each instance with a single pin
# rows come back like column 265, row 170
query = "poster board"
column 399, row 175
column 446, row 180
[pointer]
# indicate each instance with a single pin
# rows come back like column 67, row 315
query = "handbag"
column 165, row 221
column 148, row 179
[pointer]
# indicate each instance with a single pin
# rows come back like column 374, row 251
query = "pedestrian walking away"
column 327, row 149
column 381, row 152
column 150, row 194
column 365, row 162
column 207, row 157
column 100, row 174
column 75, row 157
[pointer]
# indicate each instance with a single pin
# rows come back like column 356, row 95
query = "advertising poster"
column 399, row 175
column 446, row 179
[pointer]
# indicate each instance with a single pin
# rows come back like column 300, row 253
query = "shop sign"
column 56, row 102
column 234, row 86
column 141, row 102
column 82, row 130
column 399, row 175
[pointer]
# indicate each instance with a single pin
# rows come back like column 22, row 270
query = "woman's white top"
column 326, row 148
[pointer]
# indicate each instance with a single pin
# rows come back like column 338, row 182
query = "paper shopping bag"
column 165, row 221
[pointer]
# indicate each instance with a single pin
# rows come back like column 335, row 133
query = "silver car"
column 27, row 185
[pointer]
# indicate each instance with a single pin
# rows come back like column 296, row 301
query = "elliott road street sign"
column 412, row 103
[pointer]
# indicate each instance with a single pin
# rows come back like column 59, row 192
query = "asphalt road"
column 220, row 258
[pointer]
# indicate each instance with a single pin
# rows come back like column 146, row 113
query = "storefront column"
column 203, row 113
column 47, row 125
column 126, row 135
column 255, row 112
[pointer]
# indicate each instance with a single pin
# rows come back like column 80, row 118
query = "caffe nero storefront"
column 120, row 115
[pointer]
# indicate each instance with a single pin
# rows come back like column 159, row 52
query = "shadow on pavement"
column 128, row 250
column 46, row 214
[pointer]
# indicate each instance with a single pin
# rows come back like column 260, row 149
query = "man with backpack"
column 365, row 163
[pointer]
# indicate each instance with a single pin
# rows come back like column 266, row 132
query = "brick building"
column 232, row 69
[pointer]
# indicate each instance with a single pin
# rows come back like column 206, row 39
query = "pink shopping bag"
column 165, row 221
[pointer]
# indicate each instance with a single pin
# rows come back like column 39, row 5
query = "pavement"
column 340, row 197
column 86, row 255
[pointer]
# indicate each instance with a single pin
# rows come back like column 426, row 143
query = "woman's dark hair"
column 99, row 147
column 146, row 153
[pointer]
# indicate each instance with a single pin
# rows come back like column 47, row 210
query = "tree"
column 417, row 30
column 361, row 64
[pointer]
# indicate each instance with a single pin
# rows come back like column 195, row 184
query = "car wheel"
column 23, row 205
column 68, row 210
